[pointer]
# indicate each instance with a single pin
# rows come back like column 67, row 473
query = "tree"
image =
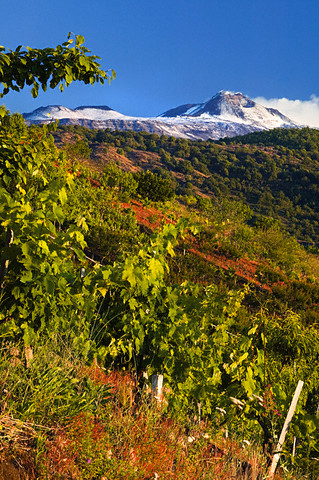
column 50, row 66
column 40, row 257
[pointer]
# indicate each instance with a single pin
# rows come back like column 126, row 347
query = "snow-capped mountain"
column 232, row 107
column 224, row 115
column 58, row 112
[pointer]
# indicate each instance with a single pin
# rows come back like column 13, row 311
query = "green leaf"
column 84, row 62
column 249, row 383
column 26, row 277
column 49, row 284
column 79, row 40
column 6, row 179
column 63, row 196
column 170, row 249
column 69, row 78
column 58, row 212
column 44, row 247
column 28, row 335
column 133, row 303
column 25, row 249
column 156, row 268
column 35, row 90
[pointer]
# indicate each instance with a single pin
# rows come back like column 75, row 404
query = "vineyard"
column 112, row 275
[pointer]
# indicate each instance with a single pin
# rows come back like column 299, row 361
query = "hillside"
column 250, row 238
column 272, row 179
column 125, row 255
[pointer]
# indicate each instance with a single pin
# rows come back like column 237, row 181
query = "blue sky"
column 170, row 52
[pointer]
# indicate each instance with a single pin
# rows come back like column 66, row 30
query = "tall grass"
column 61, row 419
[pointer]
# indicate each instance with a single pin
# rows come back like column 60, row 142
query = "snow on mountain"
column 58, row 112
column 232, row 107
column 224, row 115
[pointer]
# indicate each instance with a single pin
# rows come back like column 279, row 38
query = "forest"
column 275, row 173
column 126, row 255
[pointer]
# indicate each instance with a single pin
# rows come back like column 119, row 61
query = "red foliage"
column 242, row 267
column 148, row 216
column 122, row 443
column 94, row 183
column 122, row 386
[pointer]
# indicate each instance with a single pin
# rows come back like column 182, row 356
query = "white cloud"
column 305, row 112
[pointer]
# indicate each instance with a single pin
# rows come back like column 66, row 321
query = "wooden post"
column 294, row 446
column 28, row 355
column 157, row 387
column 284, row 430
column 5, row 263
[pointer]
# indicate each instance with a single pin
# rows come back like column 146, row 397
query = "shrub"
column 79, row 149
column 154, row 187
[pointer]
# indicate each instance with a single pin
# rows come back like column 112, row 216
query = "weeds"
column 62, row 420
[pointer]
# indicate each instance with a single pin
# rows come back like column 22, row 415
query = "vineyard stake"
column 157, row 386
column 294, row 446
column 284, row 430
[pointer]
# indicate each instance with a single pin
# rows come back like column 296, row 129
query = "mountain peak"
column 225, row 102
column 234, row 107
column 227, row 93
